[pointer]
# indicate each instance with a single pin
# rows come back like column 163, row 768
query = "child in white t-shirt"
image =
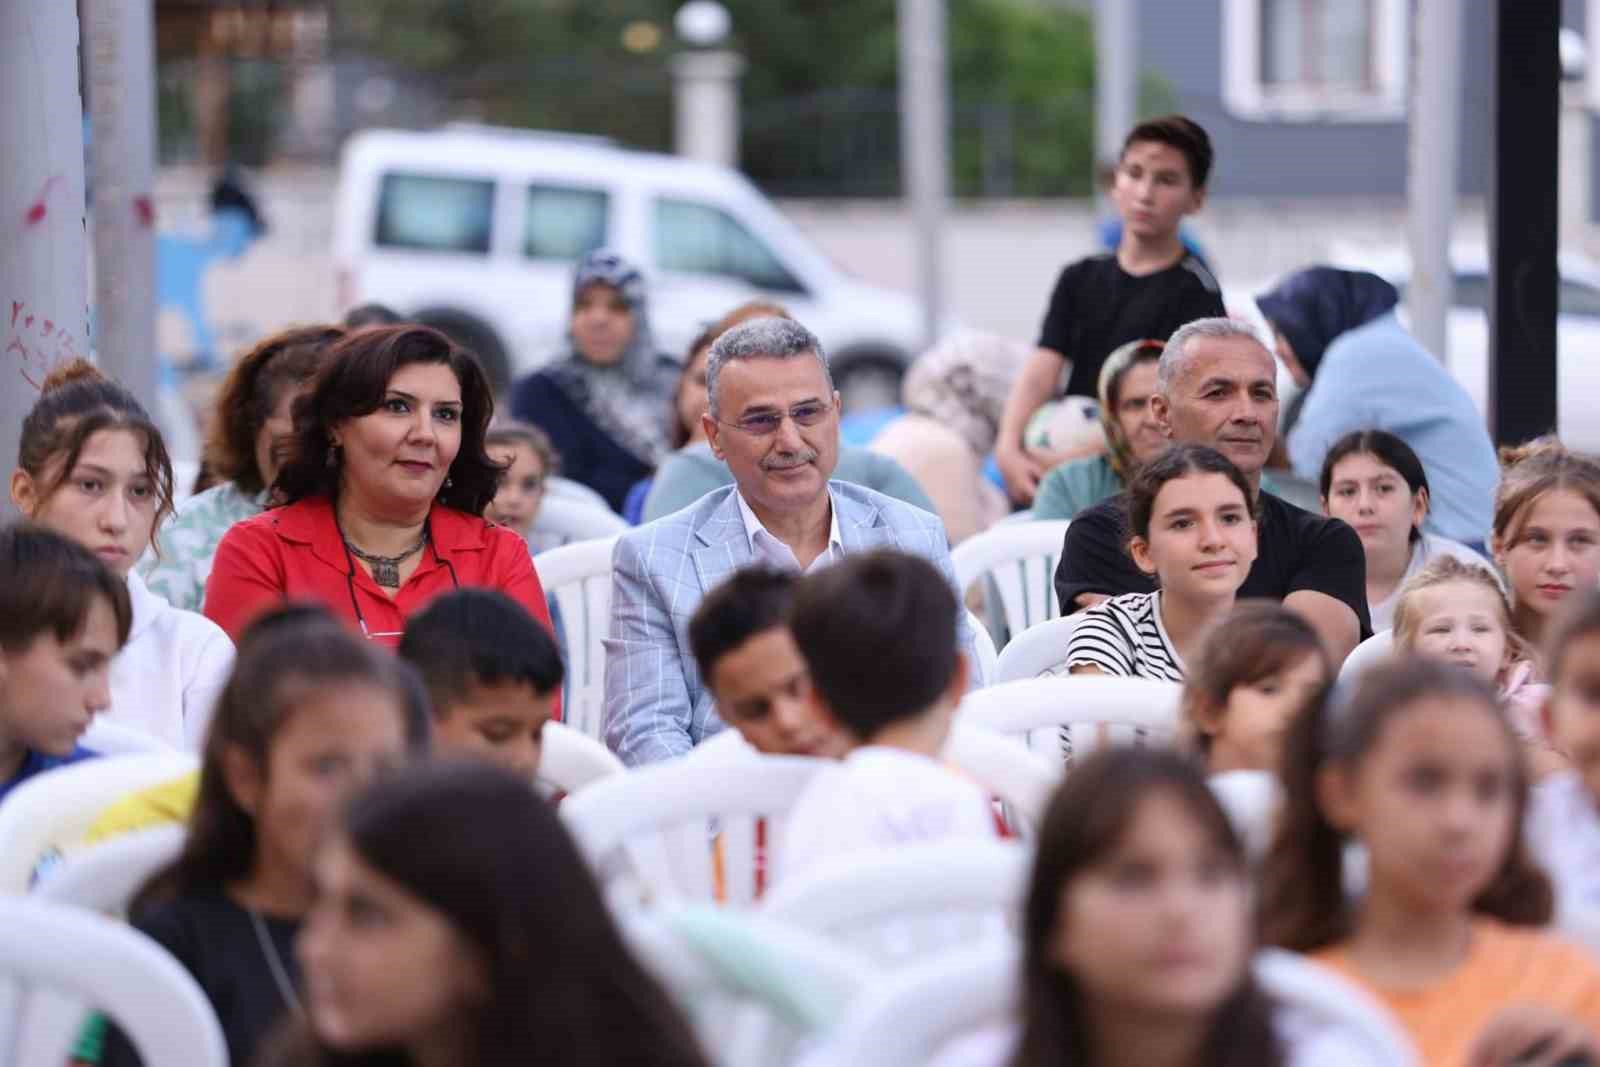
column 879, row 634
column 1563, row 821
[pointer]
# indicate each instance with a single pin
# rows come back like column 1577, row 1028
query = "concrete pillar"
column 705, row 89
column 1116, row 75
column 925, row 145
column 44, row 283
column 1435, row 122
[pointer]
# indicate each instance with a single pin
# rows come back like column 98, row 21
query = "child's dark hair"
column 478, row 637
column 76, row 402
column 502, row 870
column 1086, row 820
column 1178, row 462
column 511, row 432
column 1581, row 619
column 754, row 600
column 878, row 632
column 1389, row 450
column 281, row 662
column 1256, row 640
column 1182, row 133
column 48, row 582
column 1303, row 903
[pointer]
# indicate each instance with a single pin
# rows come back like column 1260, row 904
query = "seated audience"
column 1564, row 813
column 879, row 633
column 601, row 402
column 692, row 470
column 1458, row 613
column 747, row 656
column 248, row 439
column 493, row 675
column 92, row 465
column 1127, row 382
column 1192, row 527
column 1340, row 339
column 1372, row 480
column 63, row 616
column 773, row 417
column 492, row 945
column 1139, row 865
column 1546, row 537
column 528, row 461
column 308, row 714
column 1419, row 766
column 383, row 495
column 1259, row 669
column 1217, row 387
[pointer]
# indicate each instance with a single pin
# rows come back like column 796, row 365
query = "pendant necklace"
column 386, row 569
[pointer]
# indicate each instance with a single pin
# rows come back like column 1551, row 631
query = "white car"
column 477, row 230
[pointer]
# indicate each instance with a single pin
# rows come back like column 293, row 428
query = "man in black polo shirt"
column 1218, row 388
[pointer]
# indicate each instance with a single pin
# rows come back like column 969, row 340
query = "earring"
column 448, row 482
column 333, row 456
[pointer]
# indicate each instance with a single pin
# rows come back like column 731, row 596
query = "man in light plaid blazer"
column 774, row 419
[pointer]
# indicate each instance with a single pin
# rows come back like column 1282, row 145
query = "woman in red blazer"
column 382, row 499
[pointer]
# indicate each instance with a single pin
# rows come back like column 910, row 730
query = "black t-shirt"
column 217, row 943
column 1295, row 550
column 1097, row 306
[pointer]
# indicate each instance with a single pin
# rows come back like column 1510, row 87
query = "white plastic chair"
column 756, row 992
column 571, row 760
column 577, row 577
column 913, row 1015
column 51, row 812
column 110, row 739
column 1364, row 655
column 908, row 903
column 95, row 960
column 1251, row 799
column 1019, row 559
column 559, row 488
column 1317, row 998
column 1036, row 649
column 563, row 520
column 1022, row 779
column 654, row 825
column 1074, row 714
column 983, row 645
column 105, row 876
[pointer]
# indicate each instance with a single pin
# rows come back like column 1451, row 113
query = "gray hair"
column 767, row 338
column 1176, row 354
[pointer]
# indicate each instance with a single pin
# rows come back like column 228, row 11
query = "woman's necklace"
column 386, row 569
column 280, row 973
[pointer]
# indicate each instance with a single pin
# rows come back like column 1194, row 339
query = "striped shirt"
column 1124, row 636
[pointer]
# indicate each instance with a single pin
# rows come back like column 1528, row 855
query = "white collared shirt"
column 768, row 549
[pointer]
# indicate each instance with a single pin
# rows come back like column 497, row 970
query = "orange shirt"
column 1505, row 965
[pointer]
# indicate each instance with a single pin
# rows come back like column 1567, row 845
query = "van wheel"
column 869, row 380
column 477, row 337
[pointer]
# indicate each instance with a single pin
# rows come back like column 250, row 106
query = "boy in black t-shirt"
column 1148, row 288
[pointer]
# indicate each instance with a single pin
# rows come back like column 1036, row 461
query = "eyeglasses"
column 766, row 423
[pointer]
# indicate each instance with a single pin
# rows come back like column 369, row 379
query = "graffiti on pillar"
column 35, row 342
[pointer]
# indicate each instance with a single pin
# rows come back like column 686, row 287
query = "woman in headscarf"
column 603, row 402
column 1127, row 382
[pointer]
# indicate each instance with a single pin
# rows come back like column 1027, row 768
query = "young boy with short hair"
column 748, row 660
column 493, row 675
column 879, row 633
column 1147, row 288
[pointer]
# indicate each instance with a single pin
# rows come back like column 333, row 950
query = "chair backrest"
column 1019, row 559
column 1022, row 779
column 909, row 903
column 106, row 876
column 563, row 520
column 1251, row 799
column 51, row 812
column 915, row 1013
column 577, row 579
column 572, row 760
column 95, row 960
column 757, row 992
column 1036, row 649
column 679, row 831
column 559, row 488
column 111, row 739
column 1073, row 714
column 1315, row 998
column 1364, row 655
column 983, row 644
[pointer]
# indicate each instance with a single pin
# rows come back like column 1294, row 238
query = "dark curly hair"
column 356, row 372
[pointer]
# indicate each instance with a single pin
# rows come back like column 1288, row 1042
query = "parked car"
column 476, row 230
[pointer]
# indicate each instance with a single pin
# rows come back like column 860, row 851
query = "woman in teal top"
column 1127, row 382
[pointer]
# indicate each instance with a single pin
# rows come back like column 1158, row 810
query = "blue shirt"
column 37, row 763
column 1377, row 377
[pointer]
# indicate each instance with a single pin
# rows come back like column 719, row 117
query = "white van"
column 476, row 230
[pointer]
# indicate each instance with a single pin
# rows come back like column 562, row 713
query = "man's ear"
column 713, row 430
column 1163, row 413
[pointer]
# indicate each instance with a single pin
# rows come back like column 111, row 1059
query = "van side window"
column 563, row 222
column 700, row 239
column 435, row 214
